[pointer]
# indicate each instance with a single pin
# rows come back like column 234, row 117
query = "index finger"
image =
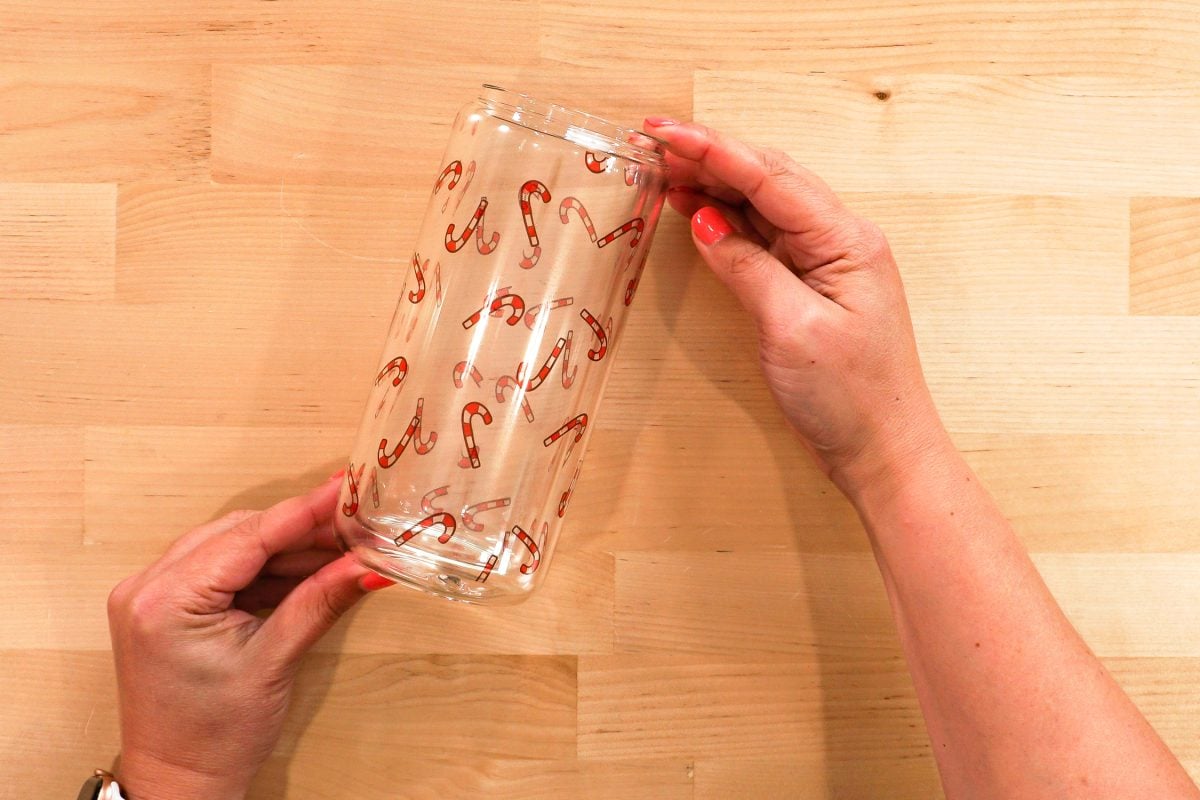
column 232, row 559
column 789, row 196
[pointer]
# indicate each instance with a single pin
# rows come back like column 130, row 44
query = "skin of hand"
column 1015, row 703
column 204, row 680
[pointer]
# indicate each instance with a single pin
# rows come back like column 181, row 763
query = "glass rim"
column 572, row 125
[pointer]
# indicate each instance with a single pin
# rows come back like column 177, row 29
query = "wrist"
column 144, row 776
column 897, row 460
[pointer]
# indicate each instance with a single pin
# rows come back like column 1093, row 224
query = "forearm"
column 1015, row 703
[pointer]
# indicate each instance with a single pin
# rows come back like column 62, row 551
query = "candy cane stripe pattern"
column 427, row 506
column 454, row 244
column 594, row 164
column 578, row 424
column 596, row 353
column 441, row 518
column 453, row 171
column 375, row 487
column 544, row 372
column 487, row 568
column 513, row 302
column 527, row 540
column 637, row 225
column 462, row 367
column 471, row 410
column 631, row 288
column 564, row 209
column 528, row 190
column 568, row 373
column 458, row 196
column 422, row 447
column 509, row 382
column 350, row 508
column 469, row 513
column 532, row 312
column 399, row 365
column 631, row 174
column 566, row 496
column 419, row 268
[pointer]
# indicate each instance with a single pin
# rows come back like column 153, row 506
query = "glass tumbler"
column 529, row 255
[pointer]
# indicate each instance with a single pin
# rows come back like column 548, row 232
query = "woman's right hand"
column 835, row 337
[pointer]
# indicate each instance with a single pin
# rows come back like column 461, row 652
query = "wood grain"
column 205, row 215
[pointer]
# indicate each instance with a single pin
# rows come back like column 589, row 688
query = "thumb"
column 766, row 288
column 312, row 608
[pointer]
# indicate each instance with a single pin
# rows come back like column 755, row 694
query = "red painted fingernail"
column 655, row 121
column 710, row 226
column 372, row 582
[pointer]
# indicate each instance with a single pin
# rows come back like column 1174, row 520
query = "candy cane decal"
column 564, row 209
column 532, row 312
column 578, row 424
column 527, row 540
column 350, row 508
column 513, row 302
column 458, row 196
column 441, row 518
column 454, row 244
column 419, row 269
column 528, row 190
column 469, row 513
column 453, row 171
column 375, row 487
column 596, row 353
column 470, row 410
column 631, row 174
column 462, row 367
column 422, row 447
column 637, row 225
column 437, row 282
column 544, row 372
column 566, row 496
column 487, row 568
column 568, row 372
column 631, row 288
column 509, row 382
column 594, row 164
column 399, row 365
column 427, row 506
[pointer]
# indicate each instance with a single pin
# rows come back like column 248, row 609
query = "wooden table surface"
column 204, row 210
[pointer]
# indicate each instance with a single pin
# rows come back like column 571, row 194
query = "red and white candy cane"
column 464, row 366
column 453, row 171
column 544, row 372
column 528, row 190
column 350, row 507
column 597, row 352
column 637, row 225
column 439, row 519
column 631, row 288
column 469, row 513
column 487, row 568
column 577, row 424
column 454, row 244
column 593, row 163
column 375, row 487
column 468, row 176
column 509, row 382
column 513, row 302
column 564, row 209
column 631, row 174
column 566, row 496
column 419, row 268
column 534, row 551
column 471, row 410
column 422, row 447
column 399, row 365
column 568, row 372
column 427, row 506
column 532, row 312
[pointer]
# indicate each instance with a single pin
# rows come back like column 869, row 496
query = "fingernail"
column 372, row 582
column 341, row 473
column 655, row 121
column 710, row 226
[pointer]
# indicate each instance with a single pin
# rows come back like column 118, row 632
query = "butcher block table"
column 205, row 211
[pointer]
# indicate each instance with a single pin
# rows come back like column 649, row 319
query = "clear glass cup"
column 526, row 263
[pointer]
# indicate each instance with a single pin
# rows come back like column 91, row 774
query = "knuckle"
column 237, row 517
column 744, row 261
column 868, row 242
column 118, row 599
column 145, row 613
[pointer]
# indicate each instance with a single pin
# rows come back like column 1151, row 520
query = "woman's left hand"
column 204, row 683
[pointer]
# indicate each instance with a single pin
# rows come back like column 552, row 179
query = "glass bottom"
column 426, row 570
